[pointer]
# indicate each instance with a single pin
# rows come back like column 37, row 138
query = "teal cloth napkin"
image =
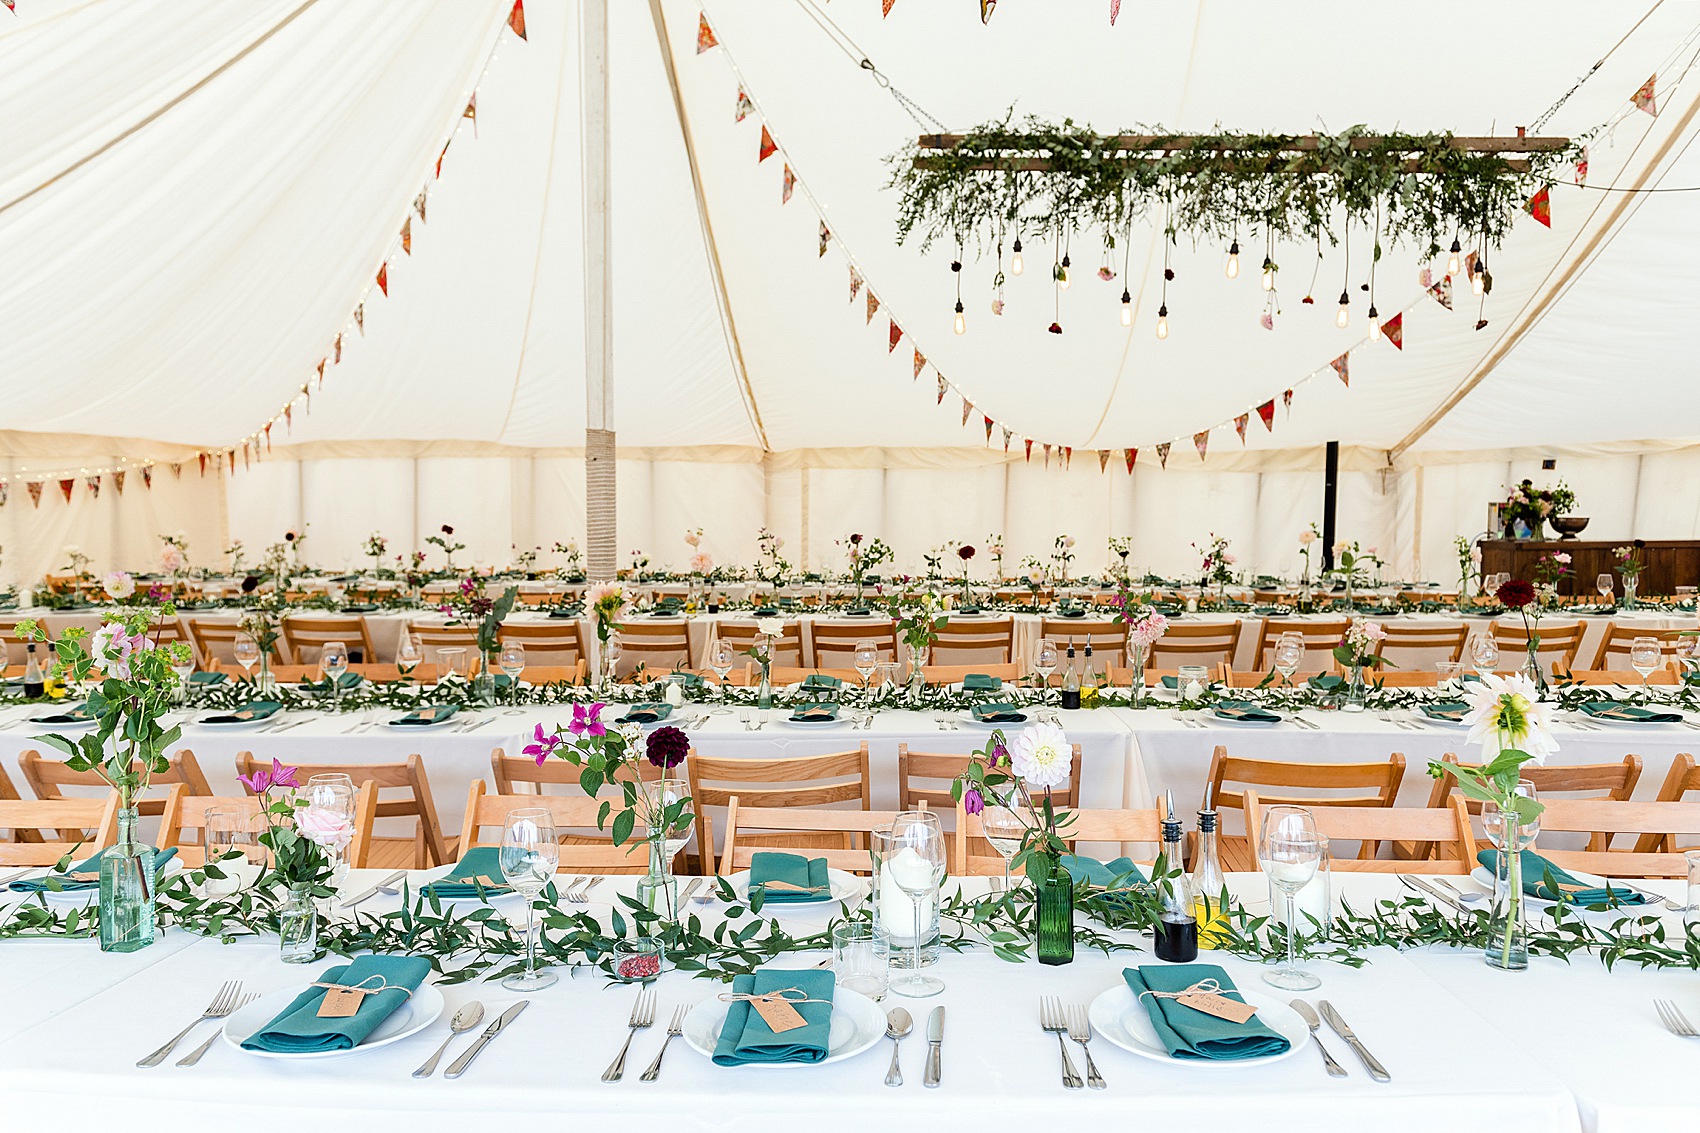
column 688, row 680
column 859, row 611
column 649, row 712
column 202, row 677
column 819, row 712
column 1326, row 682
column 808, row 874
column 767, row 612
column 323, row 687
column 1072, row 612
column 970, row 609
column 250, row 712
column 1571, row 891
column 1611, row 710
column 745, row 1037
column 298, row 1029
column 87, row 865
column 1119, row 873
column 482, row 861
column 822, row 680
column 567, row 612
column 431, row 714
column 980, row 682
column 1453, row 712
column 1245, row 710
column 78, row 715
column 360, row 607
column 998, row 714
column 1189, row 1033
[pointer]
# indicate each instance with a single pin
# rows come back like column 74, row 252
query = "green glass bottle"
column 1054, row 905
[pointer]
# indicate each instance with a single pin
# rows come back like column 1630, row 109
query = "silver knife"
column 1424, row 887
column 459, row 1065
column 372, row 892
column 935, row 1040
column 1339, row 1027
column 286, row 726
column 475, row 726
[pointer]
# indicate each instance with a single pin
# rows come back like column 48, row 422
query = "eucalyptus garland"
column 1225, row 185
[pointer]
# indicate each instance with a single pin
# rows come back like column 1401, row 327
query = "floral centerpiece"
column 525, row 562
column 1006, row 774
column 1216, row 567
column 771, row 566
column 236, row 552
column 573, row 570
column 302, row 840
column 1515, row 594
column 864, row 555
column 446, row 541
column 1121, row 546
column 1549, row 570
column 965, row 555
column 611, row 758
column 1629, row 565
column 1351, row 563
column 1033, row 575
column 174, row 554
column 918, row 616
column 375, row 546
column 768, row 630
column 1514, row 728
column 994, row 548
column 294, row 541
column 126, row 748
column 1062, row 556
column 1145, row 624
column 119, row 586
column 1528, row 507
column 1307, row 537
column 606, row 602
column 1469, row 568
column 1360, row 649
column 76, row 563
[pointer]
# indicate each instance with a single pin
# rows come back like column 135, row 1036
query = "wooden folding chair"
column 1109, row 637
column 1683, row 776
column 1446, row 827
column 1320, row 638
column 77, row 815
column 787, row 647
column 830, row 834
column 433, row 637
column 1626, row 677
column 1661, row 821
column 966, row 642
column 789, row 676
column 835, row 642
column 9, row 793
column 657, row 647
column 1196, row 643
column 166, row 631
column 583, row 854
column 1617, row 640
column 305, row 637
column 1082, row 826
column 1430, row 643
column 925, row 778
column 426, row 848
column 1616, row 780
column 1373, row 784
column 215, row 642
column 548, row 643
column 803, row 781
column 1557, row 647
column 47, row 776
column 953, row 674
column 184, row 822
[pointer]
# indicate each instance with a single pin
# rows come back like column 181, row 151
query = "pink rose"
column 325, row 827
column 1375, row 632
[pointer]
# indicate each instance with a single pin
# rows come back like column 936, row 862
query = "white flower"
column 770, row 626
column 326, row 827
column 1041, row 755
column 1306, row 538
column 693, row 537
column 1068, row 541
column 1506, row 712
column 112, row 647
column 171, row 558
column 120, row 585
column 1340, row 548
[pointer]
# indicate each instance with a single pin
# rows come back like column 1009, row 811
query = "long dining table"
column 1561, row 1048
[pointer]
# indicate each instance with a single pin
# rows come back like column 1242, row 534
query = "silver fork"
column 570, row 893
column 1080, row 1030
column 643, row 1014
column 1674, row 1020
column 1051, row 1019
column 674, row 1030
column 222, row 1004
column 194, row 1056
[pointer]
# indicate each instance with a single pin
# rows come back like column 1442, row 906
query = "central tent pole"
column 599, row 461
column 1330, row 497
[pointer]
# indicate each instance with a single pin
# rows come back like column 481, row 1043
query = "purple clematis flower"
column 265, row 779
column 972, row 801
column 587, row 720
column 1000, row 755
column 543, row 745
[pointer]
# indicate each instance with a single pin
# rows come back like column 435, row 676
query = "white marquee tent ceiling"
column 180, row 284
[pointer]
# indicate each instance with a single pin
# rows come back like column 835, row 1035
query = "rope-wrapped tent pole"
column 601, row 559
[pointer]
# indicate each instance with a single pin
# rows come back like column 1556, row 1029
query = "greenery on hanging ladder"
column 1001, row 178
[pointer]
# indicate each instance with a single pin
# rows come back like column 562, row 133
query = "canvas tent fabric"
column 185, row 235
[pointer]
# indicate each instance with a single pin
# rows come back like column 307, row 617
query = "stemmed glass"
column 611, row 650
column 1290, row 850
column 247, row 653
column 1493, row 822
column 408, row 654
column 1045, row 661
column 334, row 793
column 910, row 854
column 1289, row 655
column 1604, row 584
column 1003, row 829
column 867, row 659
column 512, row 662
column 184, row 670
column 721, row 656
column 530, row 853
column 1644, row 655
column 333, row 662
column 1484, row 653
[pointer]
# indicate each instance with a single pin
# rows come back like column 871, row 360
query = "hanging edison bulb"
column 1268, row 274
column 1016, row 264
column 1127, row 308
column 1374, row 324
column 1232, row 268
column 1452, row 258
column 1478, row 281
column 1344, row 315
column 961, row 321
column 1062, row 273
column 1163, row 321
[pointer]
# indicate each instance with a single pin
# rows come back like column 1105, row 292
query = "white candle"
column 674, row 694
column 896, row 907
column 1311, row 901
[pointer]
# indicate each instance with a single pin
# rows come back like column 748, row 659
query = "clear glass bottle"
column 1071, row 680
column 34, row 686
column 298, row 927
column 1176, row 930
column 1089, row 679
column 127, row 890
column 1207, row 882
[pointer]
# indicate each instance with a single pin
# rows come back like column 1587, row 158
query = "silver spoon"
column 465, row 1019
column 898, row 1024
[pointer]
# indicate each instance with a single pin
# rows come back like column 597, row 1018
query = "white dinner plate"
column 445, row 722
column 967, row 717
column 1002, row 684
column 811, row 725
column 236, row 725
column 416, row 891
column 423, row 1007
column 1422, row 717
column 1122, row 1019
column 1607, row 720
column 82, row 898
column 1483, row 876
column 857, row 1024
column 844, row 887
column 1213, row 718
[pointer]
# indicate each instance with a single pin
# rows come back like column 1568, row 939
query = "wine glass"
column 451, row 662
column 910, row 857
column 1644, row 657
column 1289, row 654
column 530, row 853
column 184, row 668
column 1289, row 849
column 247, row 653
column 333, row 663
column 408, row 654
column 512, row 662
column 1484, row 653
column 1688, row 653
column 1003, row 828
column 1604, row 584
column 867, row 657
column 721, row 657
column 1045, row 660
column 1493, row 820
column 611, row 650
column 334, row 793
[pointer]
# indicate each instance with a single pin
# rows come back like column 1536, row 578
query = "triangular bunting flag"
column 1068, row 456
column 1115, row 10
column 825, row 235
column 769, row 147
column 147, row 476
column 791, row 183
column 1582, row 167
column 419, row 205
column 1287, row 402
column 705, row 34
column 202, row 457
column 34, row 487
column 1103, row 459
column 360, row 319
column 988, row 421
column 1027, row 443
column 1240, row 423
column 117, row 482
column 1394, row 329
column 11, row 6
column 1266, row 414
column 1130, row 455
column 987, row 7
column 516, row 18
column 1163, row 455
column 1540, row 206
column 384, row 279
column 1201, row 442
column 1442, row 292
column 896, row 336
column 471, row 112
column 336, row 356
column 1469, row 264
column 885, row 8
column 66, row 486
column 1343, row 367
column 873, row 306
column 321, row 371
column 5, row 490
column 440, row 157
column 855, row 282
column 920, row 364
column 943, row 385
column 230, row 455
column 967, row 408
column 744, row 105
column 1644, row 97
column 1006, row 436
column 93, row 483
column 177, row 470
column 1047, row 456
column 407, row 235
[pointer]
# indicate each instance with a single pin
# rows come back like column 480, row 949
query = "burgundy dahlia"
column 965, row 552
column 667, row 746
column 1515, row 594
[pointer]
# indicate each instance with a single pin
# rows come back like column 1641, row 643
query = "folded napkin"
column 818, row 712
column 1117, row 874
column 649, row 712
column 1174, row 681
column 1326, row 682
column 1000, row 713
column 1189, row 1033
column 78, row 715
column 567, row 612
column 1169, row 609
column 431, row 714
column 247, row 714
column 980, row 682
column 1570, row 890
column 745, row 1037
column 1245, row 710
column 1594, row 609
column 87, row 865
column 767, row 612
column 1071, row 612
column 360, row 607
column 299, row 1029
column 789, row 879
column 859, row 612
column 1453, row 712
column 482, row 861
column 687, row 680
column 822, row 680
column 969, row 609
column 1611, row 710
column 202, row 677
column 323, row 687
column 1378, row 611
